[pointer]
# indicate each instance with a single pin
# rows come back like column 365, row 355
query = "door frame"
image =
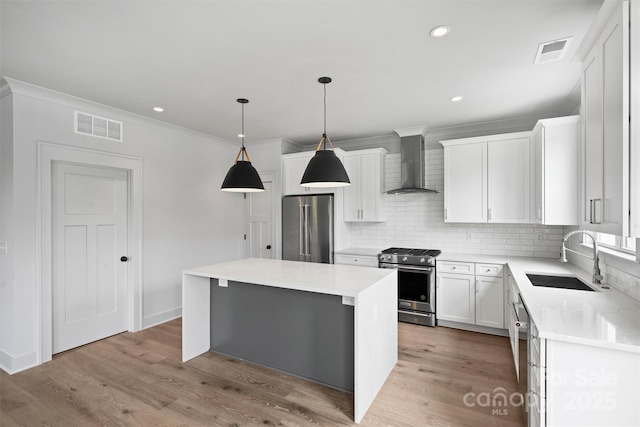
column 276, row 212
column 48, row 153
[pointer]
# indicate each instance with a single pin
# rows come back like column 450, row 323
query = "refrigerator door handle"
column 302, row 231
column 306, row 228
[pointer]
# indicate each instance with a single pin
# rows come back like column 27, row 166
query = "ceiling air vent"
column 88, row 124
column 552, row 51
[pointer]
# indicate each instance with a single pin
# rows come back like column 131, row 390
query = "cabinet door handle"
column 540, row 213
column 489, row 214
column 594, row 211
column 445, row 214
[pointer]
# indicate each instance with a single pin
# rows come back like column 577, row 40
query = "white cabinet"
column 363, row 201
column 455, row 297
column 537, row 360
column 470, row 293
column 293, row 167
column 605, row 129
column 489, row 296
column 578, row 384
column 555, row 185
column 465, row 182
column 486, row 179
column 362, row 260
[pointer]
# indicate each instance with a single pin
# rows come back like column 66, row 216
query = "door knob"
column 124, row 259
column 268, row 246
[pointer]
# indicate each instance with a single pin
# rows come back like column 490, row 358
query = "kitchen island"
column 305, row 306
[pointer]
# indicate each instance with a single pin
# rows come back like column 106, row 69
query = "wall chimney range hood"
column 412, row 166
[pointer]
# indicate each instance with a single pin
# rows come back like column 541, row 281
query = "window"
column 622, row 244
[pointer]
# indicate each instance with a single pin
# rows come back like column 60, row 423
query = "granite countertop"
column 331, row 279
column 604, row 318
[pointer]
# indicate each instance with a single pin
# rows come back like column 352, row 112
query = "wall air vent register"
column 88, row 124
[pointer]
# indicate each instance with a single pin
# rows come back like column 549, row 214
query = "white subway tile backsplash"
column 417, row 220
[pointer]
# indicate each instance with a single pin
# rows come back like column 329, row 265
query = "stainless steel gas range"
column 416, row 282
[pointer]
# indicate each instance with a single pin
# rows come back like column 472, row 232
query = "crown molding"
column 37, row 92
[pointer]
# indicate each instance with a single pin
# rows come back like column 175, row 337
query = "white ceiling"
column 194, row 58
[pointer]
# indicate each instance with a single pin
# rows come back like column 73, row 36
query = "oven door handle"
column 424, row 270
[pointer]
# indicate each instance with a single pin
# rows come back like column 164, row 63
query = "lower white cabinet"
column 362, row 260
column 471, row 293
column 489, row 301
column 581, row 385
column 455, row 297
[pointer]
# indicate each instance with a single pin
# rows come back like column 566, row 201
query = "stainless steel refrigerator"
column 307, row 228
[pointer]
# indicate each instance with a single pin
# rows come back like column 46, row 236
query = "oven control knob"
column 404, row 259
column 422, row 260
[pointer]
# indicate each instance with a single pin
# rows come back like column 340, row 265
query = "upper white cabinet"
column 363, row 201
column 556, row 176
column 293, row 167
column 486, row 179
column 465, row 182
column 605, row 129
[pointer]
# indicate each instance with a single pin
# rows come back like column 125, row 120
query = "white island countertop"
column 604, row 318
column 331, row 279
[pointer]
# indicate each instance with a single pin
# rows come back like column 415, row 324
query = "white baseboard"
column 14, row 364
column 162, row 317
column 474, row 328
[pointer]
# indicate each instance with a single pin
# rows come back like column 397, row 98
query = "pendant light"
column 325, row 168
column 242, row 177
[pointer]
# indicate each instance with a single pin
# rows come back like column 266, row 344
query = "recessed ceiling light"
column 440, row 31
column 456, row 98
column 158, row 109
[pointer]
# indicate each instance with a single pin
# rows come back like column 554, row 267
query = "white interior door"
column 89, row 237
column 259, row 242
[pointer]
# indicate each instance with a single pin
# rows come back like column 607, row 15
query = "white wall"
column 187, row 220
column 417, row 221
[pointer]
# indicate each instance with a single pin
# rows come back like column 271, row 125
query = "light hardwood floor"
column 138, row 379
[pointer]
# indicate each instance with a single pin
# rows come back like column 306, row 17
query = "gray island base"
column 332, row 324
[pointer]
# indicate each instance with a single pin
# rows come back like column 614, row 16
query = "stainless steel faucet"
column 597, row 277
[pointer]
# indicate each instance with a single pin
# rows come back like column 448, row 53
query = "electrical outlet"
column 469, row 235
column 539, row 236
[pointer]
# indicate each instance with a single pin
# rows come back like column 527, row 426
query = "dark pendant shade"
column 325, row 170
column 242, row 178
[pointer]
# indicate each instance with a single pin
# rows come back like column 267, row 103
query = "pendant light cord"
column 242, row 137
column 324, row 133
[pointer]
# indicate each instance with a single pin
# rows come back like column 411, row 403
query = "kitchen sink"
column 562, row 282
